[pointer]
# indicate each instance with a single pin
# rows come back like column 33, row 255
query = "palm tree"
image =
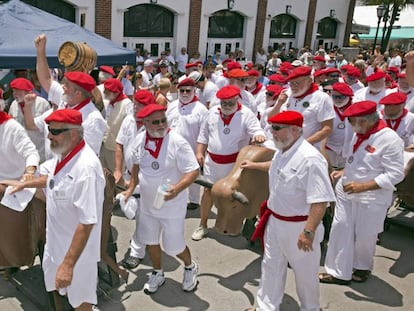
column 393, row 7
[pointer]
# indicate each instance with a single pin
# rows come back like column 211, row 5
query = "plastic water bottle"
column 161, row 192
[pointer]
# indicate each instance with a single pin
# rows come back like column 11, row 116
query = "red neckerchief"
column 21, row 105
column 195, row 98
column 118, row 99
column 363, row 137
column 81, row 104
column 158, row 144
column 4, row 117
column 228, row 120
column 69, row 157
column 312, row 89
column 342, row 109
column 397, row 121
column 257, row 88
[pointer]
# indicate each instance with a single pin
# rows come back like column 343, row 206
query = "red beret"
column 107, row 69
column 353, row 72
column 249, row 65
column 237, row 74
column 331, row 70
column 275, row 89
column 393, row 70
column 186, row 82
column 71, row 116
column 343, row 89
column 287, row 65
column 375, row 76
column 113, row 85
column 199, row 62
column 149, row 109
column 402, row 75
column 361, row 108
column 227, row 60
column 21, row 84
column 81, row 79
column 190, row 65
column 319, row 59
column 233, row 65
column 346, row 67
column 396, row 98
column 301, row 71
column 253, row 73
column 144, row 97
column 229, row 91
column 277, row 78
column 285, row 70
column 319, row 73
column 289, row 117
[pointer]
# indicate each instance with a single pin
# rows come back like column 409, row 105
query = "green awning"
column 396, row 34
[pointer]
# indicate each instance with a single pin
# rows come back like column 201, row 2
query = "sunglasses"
column 327, row 91
column 185, row 90
column 242, row 79
column 278, row 127
column 270, row 93
column 56, row 132
column 227, row 104
column 160, row 121
column 334, row 76
column 338, row 96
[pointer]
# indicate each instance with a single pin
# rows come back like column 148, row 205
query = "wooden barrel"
column 77, row 56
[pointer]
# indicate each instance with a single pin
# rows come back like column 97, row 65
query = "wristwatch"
column 309, row 234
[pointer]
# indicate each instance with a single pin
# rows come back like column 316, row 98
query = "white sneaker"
column 199, row 233
column 190, row 278
column 156, row 279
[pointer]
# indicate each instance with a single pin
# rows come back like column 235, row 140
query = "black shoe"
column 130, row 262
column 192, row 205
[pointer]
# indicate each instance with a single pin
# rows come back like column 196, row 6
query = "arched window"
column 225, row 24
column 148, row 20
column 327, row 28
column 58, row 7
column 283, row 26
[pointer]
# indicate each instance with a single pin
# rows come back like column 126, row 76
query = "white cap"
column 297, row 63
column 195, row 75
column 148, row 62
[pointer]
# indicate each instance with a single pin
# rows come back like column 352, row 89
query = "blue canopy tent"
column 20, row 23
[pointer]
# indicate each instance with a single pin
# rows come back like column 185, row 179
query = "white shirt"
column 406, row 128
column 364, row 94
column 74, row 196
column 208, row 94
column 298, row 177
column 17, row 150
column 181, row 60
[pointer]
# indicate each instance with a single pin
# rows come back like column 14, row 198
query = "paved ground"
column 229, row 275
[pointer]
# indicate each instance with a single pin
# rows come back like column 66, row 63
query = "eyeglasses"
column 227, row 104
column 186, row 90
column 242, row 79
column 160, row 121
column 56, row 132
column 334, row 76
column 296, row 83
column 270, row 93
column 338, row 96
column 327, row 91
column 278, row 127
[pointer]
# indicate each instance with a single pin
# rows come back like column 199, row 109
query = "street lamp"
column 380, row 14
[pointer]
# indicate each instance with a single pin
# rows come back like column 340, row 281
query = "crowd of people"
column 341, row 129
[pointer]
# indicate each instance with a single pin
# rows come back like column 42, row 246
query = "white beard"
column 339, row 104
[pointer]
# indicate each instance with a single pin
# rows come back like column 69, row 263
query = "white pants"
column 194, row 193
column 137, row 248
column 353, row 235
column 281, row 248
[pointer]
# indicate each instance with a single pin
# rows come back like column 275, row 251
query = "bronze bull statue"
column 238, row 195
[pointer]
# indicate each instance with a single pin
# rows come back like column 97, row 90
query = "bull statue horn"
column 237, row 195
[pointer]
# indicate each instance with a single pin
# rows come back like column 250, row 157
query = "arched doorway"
column 225, row 33
column 326, row 35
column 283, row 32
column 149, row 27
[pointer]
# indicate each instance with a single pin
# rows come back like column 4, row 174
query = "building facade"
column 215, row 25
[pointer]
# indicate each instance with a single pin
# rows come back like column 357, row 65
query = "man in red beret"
column 351, row 77
column 227, row 129
column 375, row 90
column 238, row 77
column 290, row 225
column 254, row 87
column 163, row 154
column 118, row 107
column 319, row 62
column 74, row 184
column 305, row 97
column 272, row 93
column 75, row 93
column 342, row 132
column 404, row 87
column 398, row 117
column 364, row 193
column 185, row 115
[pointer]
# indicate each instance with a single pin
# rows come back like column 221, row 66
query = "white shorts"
column 83, row 286
column 169, row 232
